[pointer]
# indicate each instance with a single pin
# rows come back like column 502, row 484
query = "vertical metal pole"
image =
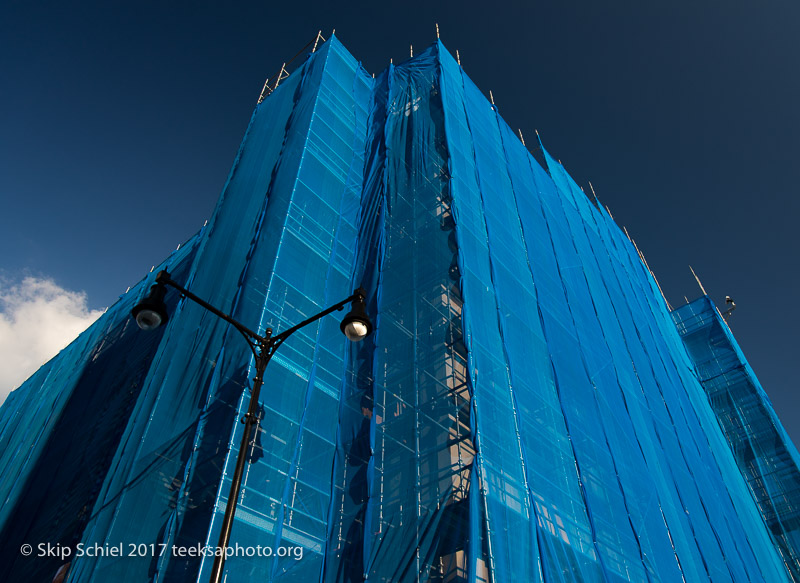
column 250, row 419
column 280, row 76
column 263, row 90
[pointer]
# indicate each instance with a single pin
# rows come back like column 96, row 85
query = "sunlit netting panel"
column 303, row 264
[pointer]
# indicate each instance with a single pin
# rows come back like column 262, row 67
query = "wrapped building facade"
column 525, row 409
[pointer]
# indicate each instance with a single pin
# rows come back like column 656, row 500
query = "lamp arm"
column 278, row 339
column 267, row 344
column 253, row 338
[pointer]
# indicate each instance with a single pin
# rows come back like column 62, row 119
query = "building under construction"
column 527, row 407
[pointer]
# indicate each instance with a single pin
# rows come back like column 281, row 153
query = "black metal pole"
column 264, row 354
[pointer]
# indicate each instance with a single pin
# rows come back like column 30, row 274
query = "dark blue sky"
column 684, row 118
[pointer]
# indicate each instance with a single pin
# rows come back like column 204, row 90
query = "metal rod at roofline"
column 280, row 76
column 698, row 281
column 263, row 91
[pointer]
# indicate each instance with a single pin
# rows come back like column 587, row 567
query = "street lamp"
column 151, row 312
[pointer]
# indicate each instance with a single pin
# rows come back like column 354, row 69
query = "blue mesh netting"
column 525, row 409
column 60, row 431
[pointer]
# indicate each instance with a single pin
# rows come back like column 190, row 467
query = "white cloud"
column 37, row 319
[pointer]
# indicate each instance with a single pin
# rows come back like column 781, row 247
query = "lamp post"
column 151, row 312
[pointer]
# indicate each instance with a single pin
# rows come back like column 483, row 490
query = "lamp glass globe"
column 148, row 319
column 355, row 330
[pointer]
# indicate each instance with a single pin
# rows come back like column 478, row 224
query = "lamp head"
column 151, row 312
column 356, row 324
